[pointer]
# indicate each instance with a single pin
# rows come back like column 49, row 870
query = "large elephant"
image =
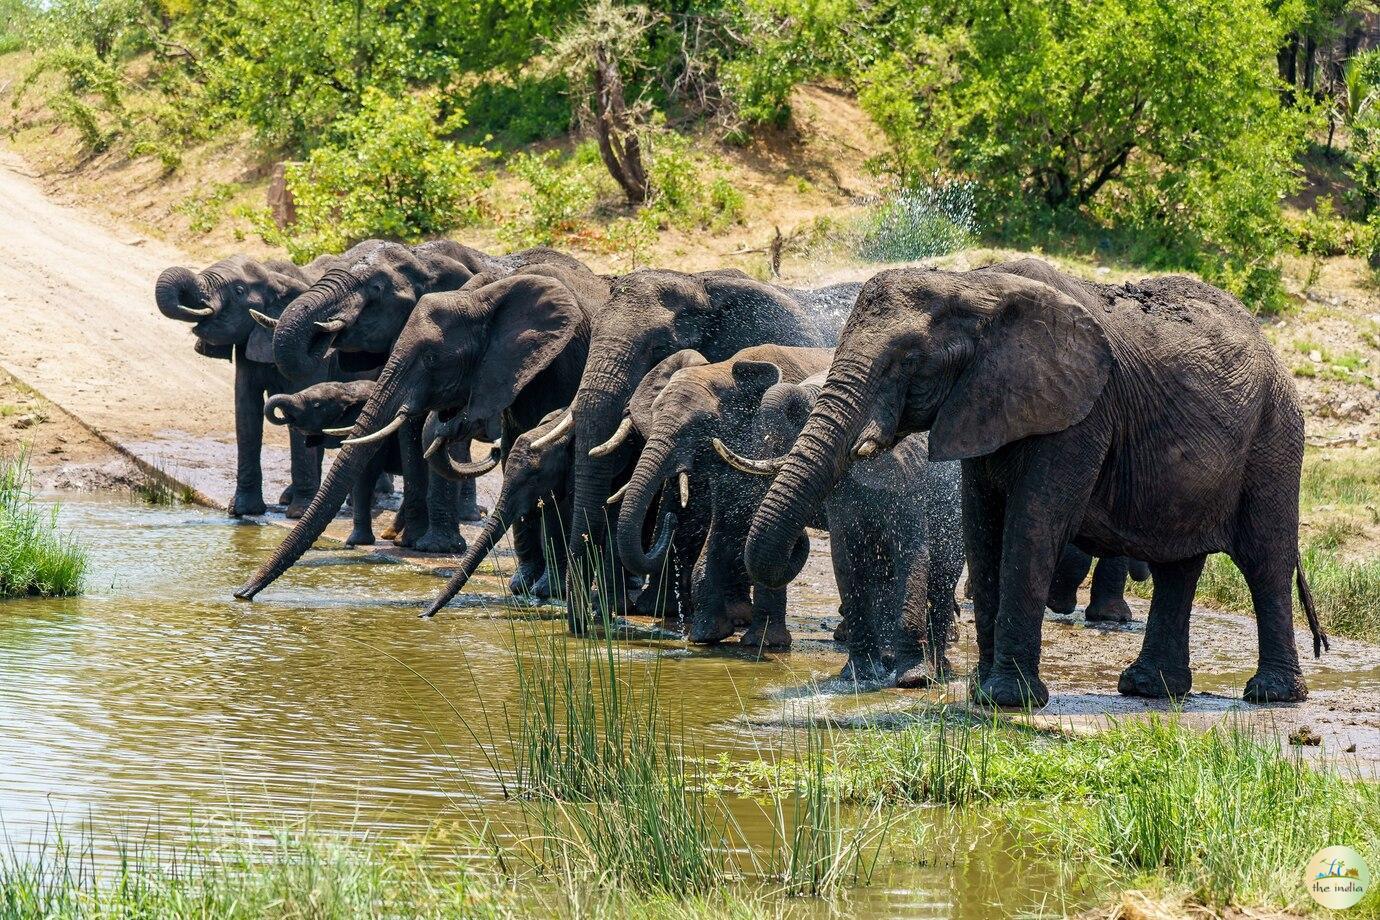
column 1108, row 601
column 510, row 347
column 650, row 315
column 894, row 522
column 1150, row 420
column 695, row 404
column 218, row 302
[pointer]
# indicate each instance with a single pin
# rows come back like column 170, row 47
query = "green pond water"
column 156, row 697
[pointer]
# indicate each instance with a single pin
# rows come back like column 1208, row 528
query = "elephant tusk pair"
column 398, row 421
column 554, row 434
column 267, row 322
column 625, row 428
column 746, row 465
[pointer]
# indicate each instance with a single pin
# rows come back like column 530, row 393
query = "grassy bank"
column 34, row 558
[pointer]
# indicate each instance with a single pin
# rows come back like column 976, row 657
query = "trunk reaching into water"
column 653, row 468
column 493, row 530
column 776, row 545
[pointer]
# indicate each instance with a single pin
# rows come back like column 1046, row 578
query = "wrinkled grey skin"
column 510, row 347
column 894, row 524
column 230, row 289
column 690, row 406
column 1108, row 602
column 533, row 480
column 1150, row 420
column 650, row 315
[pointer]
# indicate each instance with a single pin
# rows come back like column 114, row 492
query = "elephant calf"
column 320, row 412
column 894, row 525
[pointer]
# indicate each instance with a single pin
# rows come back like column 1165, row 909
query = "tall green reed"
column 35, row 559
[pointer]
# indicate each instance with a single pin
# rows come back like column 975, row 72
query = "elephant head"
column 473, row 350
column 979, row 360
column 448, row 445
column 222, row 300
column 319, row 408
column 531, row 475
column 360, row 305
column 650, row 315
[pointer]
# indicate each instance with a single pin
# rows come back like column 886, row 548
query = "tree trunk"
column 618, row 146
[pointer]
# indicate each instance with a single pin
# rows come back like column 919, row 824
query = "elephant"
column 651, row 314
column 691, row 406
column 1149, row 419
column 510, row 347
column 894, row 521
column 219, row 301
column 534, row 478
column 1108, row 602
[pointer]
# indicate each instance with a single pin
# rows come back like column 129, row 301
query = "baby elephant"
column 322, row 411
column 894, row 526
column 1108, row 601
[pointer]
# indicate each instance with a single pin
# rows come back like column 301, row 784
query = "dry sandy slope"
column 78, row 325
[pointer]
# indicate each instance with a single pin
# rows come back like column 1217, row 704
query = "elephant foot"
column 524, row 580
column 841, row 631
column 433, row 542
column 657, row 604
column 1012, row 691
column 295, row 510
column 247, row 504
column 360, row 537
column 864, row 669
column 740, row 613
column 473, row 514
column 288, row 496
column 711, row 631
column 1147, row 680
column 768, row 635
column 1276, row 686
column 1112, row 610
column 1139, row 571
column 919, row 672
column 1062, row 603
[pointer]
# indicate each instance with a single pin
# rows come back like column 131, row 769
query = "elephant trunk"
column 274, row 409
column 182, row 296
column 776, row 546
column 653, row 469
column 490, row 533
column 384, row 404
column 300, row 343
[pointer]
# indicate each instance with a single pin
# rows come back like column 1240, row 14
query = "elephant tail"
column 1306, row 596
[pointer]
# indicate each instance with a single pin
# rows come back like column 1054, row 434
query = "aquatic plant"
column 35, row 559
column 159, row 489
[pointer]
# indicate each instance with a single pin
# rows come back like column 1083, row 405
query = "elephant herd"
column 665, row 439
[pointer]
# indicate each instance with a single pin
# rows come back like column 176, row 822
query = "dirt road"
column 78, row 325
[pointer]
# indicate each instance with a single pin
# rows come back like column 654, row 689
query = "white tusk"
column 554, row 434
column 745, row 465
column 866, row 449
column 398, row 421
column 199, row 311
column 267, row 322
column 617, row 497
column 684, row 489
column 337, row 432
column 613, row 443
column 331, row 326
column 436, row 445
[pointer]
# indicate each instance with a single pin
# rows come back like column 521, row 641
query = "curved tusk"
column 436, row 445
column 745, row 465
column 865, row 449
column 617, row 497
column 330, row 327
column 338, row 432
column 625, row 428
column 267, row 322
column 198, row 311
column 479, row 468
column 684, row 478
column 398, row 421
column 554, row 434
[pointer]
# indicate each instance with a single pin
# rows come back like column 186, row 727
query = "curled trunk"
column 299, row 344
column 653, row 469
column 489, row 534
column 181, row 295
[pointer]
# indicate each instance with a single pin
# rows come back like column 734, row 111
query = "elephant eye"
column 239, row 289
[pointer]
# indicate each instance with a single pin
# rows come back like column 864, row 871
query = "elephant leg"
column 1108, row 602
column 1162, row 667
column 1139, row 571
column 415, row 473
column 249, row 439
column 711, row 622
column 687, row 543
column 1068, row 575
column 1270, row 577
column 306, row 473
column 531, row 555
column 362, row 510
column 443, row 519
column 384, row 484
column 863, row 571
column 984, row 509
column 768, row 628
column 467, row 494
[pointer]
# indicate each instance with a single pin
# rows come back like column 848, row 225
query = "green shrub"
column 561, row 195
column 88, row 93
column 391, row 174
column 517, row 112
column 918, row 223
column 34, row 558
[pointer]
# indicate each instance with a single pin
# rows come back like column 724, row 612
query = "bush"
column 34, row 558
column 918, row 223
column 391, row 174
column 561, row 195
column 517, row 112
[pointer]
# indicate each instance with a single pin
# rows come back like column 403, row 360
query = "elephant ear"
column 221, row 352
column 640, row 406
column 751, row 380
column 259, row 346
column 531, row 320
column 1041, row 362
column 280, row 289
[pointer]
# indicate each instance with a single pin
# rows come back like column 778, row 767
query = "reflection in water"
column 157, row 696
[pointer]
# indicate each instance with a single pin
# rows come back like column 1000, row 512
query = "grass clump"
column 34, row 558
